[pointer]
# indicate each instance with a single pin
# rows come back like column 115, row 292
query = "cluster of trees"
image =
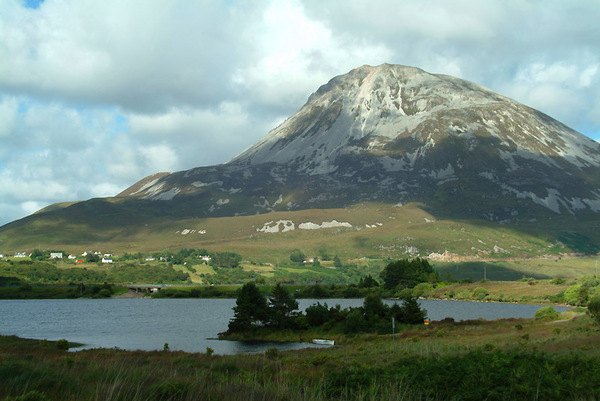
column 578, row 294
column 408, row 273
column 177, row 258
column 252, row 309
column 373, row 316
column 38, row 254
column 43, row 272
column 298, row 257
column 189, row 256
column 225, row 259
column 279, row 311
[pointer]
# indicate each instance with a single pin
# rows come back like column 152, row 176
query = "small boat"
column 323, row 342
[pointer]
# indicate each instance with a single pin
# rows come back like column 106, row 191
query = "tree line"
column 255, row 311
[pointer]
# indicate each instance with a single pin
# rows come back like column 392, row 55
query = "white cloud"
column 8, row 116
column 31, row 206
column 95, row 95
column 161, row 157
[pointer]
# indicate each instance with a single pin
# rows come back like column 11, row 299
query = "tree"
column 407, row 273
column 594, row 308
column 367, row 282
column 225, row 259
column 410, row 312
column 297, row 256
column 355, row 322
column 337, row 261
column 91, row 258
column 282, row 306
column 373, row 307
column 317, row 314
column 251, row 309
column 36, row 254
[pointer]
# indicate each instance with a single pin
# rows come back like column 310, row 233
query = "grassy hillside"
column 377, row 230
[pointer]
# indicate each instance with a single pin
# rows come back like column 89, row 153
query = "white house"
column 56, row 255
column 107, row 260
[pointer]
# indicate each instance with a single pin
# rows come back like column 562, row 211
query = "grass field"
column 472, row 360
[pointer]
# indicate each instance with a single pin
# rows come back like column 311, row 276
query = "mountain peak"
column 372, row 109
column 399, row 134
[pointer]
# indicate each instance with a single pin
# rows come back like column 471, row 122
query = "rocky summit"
column 395, row 134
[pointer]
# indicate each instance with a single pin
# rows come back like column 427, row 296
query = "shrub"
column 422, row 290
column 594, row 308
column 479, row 293
column 62, row 344
column 572, row 295
column 272, row 353
column 546, row 313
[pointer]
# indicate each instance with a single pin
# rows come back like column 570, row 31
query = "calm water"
column 185, row 324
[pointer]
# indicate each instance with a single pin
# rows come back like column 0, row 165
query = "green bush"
column 572, row 295
column 422, row 290
column 594, row 308
column 479, row 294
column 546, row 313
column 62, row 344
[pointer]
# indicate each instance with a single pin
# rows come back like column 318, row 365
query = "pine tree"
column 251, row 309
column 282, row 306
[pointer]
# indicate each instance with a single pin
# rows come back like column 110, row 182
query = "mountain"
column 387, row 135
column 399, row 134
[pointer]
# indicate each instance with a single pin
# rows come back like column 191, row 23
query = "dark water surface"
column 185, row 324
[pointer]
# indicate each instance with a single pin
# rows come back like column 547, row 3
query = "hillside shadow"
column 477, row 271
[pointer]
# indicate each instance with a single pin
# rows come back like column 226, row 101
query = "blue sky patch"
column 32, row 3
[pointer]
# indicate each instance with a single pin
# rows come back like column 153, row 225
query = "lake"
column 188, row 325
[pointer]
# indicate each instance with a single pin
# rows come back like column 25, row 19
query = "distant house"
column 72, row 257
column 205, row 258
column 20, row 255
column 107, row 260
column 56, row 255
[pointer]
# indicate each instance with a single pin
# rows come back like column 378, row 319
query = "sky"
column 96, row 95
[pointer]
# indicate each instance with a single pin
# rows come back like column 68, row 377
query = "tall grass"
column 498, row 360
